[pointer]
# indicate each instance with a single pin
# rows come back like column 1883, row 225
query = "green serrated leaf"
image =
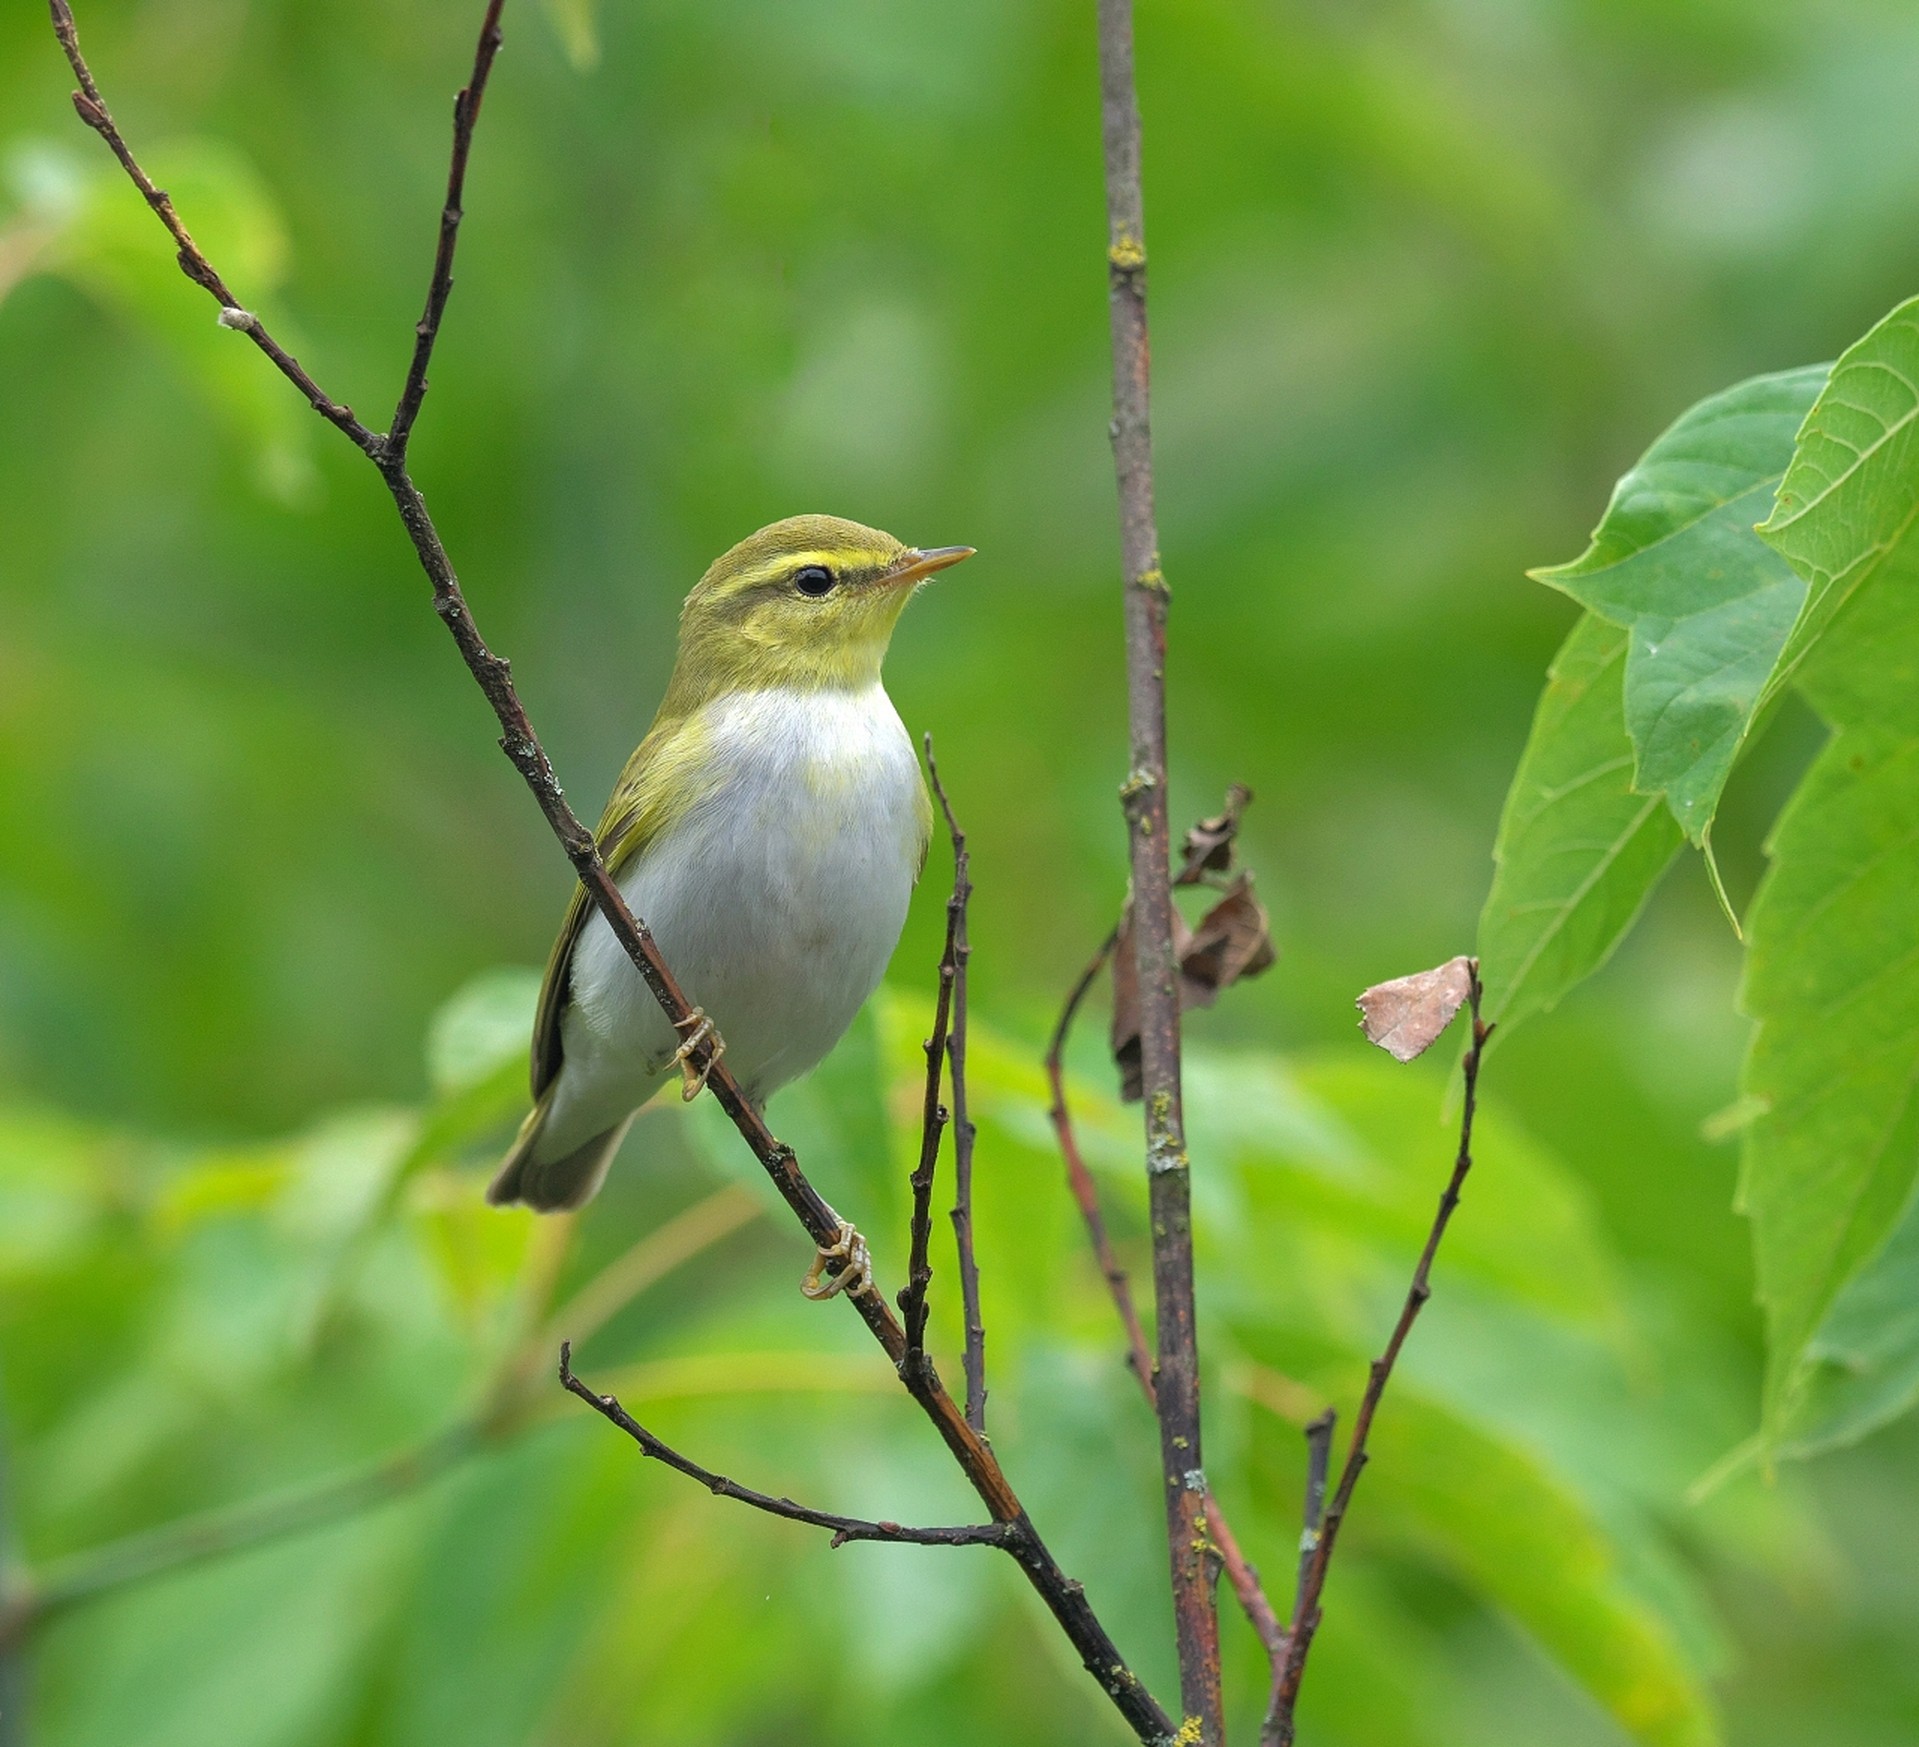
column 1847, row 504
column 1708, row 605
column 1829, row 1166
column 1862, row 1367
column 1832, row 977
column 1578, row 851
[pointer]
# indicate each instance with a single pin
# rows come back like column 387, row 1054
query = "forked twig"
column 960, row 952
column 1279, row 1722
column 845, row 1528
column 1240, row 1572
column 1064, row 1598
column 933, row 1121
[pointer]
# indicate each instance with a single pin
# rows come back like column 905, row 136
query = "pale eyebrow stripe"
column 835, row 559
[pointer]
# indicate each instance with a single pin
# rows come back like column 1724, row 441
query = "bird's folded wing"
column 653, row 790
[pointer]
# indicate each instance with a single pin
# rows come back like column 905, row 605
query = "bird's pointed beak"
column 917, row 563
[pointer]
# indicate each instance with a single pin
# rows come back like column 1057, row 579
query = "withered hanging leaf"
column 1405, row 1016
column 1209, row 844
column 1233, row 940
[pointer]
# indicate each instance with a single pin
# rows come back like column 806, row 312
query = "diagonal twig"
column 1278, row 1729
column 975, row 1458
column 466, row 112
column 959, row 953
column 92, row 109
column 845, row 1528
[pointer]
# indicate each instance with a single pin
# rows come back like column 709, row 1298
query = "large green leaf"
column 1862, row 1366
column 1847, row 503
column 1830, row 979
column 1832, row 975
column 1578, row 851
column 1675, row 562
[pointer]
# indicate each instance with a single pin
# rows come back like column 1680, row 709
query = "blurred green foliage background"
column 1425, row 278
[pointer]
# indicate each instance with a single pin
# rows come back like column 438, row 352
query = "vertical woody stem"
column 1195, row 1562
column 959, row 952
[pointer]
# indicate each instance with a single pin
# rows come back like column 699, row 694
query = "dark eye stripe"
column 813, row 579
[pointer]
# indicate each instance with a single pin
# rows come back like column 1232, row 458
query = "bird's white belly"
column 777, row 901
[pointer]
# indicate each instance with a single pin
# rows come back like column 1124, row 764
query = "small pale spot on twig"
column 1405, row 1016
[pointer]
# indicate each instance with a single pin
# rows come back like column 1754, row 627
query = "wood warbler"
column 769, row 830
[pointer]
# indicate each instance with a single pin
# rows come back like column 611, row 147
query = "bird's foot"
column 699, row 1030
column 855, row 1275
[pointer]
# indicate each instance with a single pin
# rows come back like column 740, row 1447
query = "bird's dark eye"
column 813, row 579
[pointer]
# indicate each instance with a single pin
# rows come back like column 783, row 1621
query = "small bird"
column 769, row 830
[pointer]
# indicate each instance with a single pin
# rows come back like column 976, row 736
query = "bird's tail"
column 553, row 1185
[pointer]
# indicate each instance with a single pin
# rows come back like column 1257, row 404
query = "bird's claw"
column 855, row 1275
column 699, row 1030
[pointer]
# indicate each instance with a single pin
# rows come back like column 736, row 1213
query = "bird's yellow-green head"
column 808, row 603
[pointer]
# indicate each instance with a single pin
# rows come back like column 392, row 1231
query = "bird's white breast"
column 777, row 899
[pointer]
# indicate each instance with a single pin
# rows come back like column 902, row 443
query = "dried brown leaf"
column 1405, row 1016
column 1233, row 941
column 1209, row 844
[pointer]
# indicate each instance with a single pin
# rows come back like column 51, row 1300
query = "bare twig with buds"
column 959, row 953
column 1431, row 997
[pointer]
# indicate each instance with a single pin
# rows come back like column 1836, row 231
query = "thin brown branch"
column 1080, row 1180
column 960, row 950
column 1193, row 1559
column 466, row 112
column 1319, row 1457
column 845, row 1528
column 1240, row 1571
column 92, row 109
column 933, row 1120
column 1063, row 1598
column 1306, row 1617
column 1207, row 844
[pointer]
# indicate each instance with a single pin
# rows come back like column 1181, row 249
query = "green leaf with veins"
column 1862, row 1367
column 1832, row 1164
column 1708, row 606
column 1829, row 1166
column 1847, row 503
column 1578, row 851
